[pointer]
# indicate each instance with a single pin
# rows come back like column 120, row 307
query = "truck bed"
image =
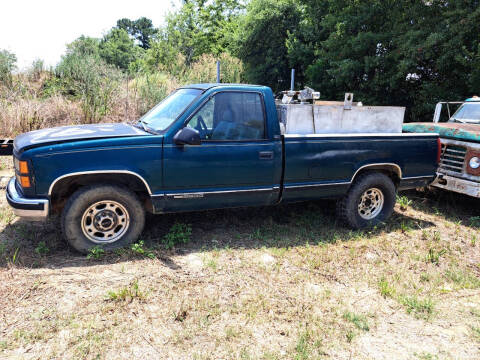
column 324, row 165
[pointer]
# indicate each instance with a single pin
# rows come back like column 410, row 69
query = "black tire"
column 348, row 206
column 83, row 199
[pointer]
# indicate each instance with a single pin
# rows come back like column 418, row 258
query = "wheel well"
column 65, row 187
column 393, row 171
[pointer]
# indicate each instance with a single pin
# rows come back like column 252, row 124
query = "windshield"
column 168, row 110
column 467, row 113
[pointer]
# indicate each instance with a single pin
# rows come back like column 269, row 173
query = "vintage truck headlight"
column 474, row 162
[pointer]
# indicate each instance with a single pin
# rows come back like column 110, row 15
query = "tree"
column 84, row 45
column 389, row 52
column 260, row 41
column 8, row 62
column 118, row 49
column 141, row 30
column 199, row 27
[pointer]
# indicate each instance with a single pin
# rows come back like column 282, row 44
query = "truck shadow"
column 29, row 245
column 451, row 206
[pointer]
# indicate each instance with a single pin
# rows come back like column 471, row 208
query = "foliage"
column 433, row 256
column 92, row 81
column 96, row 253
column 410, row 53
column 7, row 65
column 42, row 248
column 260, row 41
column 151, row 88
column 179, row 234
column 127, row 293
column 141, row 30
column 205, row 69
column 117, row 48
column 360, row 321
column 139, row 249
column 421, row 308
column 84, row 45
column 198, row 27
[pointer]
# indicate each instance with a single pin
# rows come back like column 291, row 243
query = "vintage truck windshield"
column 467, row 113
column 168, row 110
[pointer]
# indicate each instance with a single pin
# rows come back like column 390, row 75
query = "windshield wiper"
column 146, row 128
column 460, row 121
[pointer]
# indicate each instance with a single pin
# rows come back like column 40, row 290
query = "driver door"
column 235, row 165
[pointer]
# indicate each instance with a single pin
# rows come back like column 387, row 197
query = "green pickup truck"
column 459, row 167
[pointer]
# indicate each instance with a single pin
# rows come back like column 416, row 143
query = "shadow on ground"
column 41, row 245
column 280, row 226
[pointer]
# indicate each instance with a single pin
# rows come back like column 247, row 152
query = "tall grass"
column 85, row 90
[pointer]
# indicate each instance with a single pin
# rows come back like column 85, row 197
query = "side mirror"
column 187, row 136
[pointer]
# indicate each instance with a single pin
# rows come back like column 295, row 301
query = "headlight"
column 474, row 162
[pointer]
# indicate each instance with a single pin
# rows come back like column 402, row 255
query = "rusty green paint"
column 456, row 131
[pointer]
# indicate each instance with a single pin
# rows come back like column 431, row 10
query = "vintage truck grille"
column 452, row 159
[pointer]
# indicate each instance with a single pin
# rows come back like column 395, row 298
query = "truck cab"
column 459, row 166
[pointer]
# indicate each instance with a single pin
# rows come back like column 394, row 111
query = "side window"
column 231, row 116
column 202, row 121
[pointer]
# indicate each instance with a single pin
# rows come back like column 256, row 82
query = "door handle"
column 265, row 155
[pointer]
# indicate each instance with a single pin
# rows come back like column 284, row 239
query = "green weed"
column 433, row 256
column 360, row 321
column 138, row 248
column 95, row 252
column 476, row 332
column 350, row 335
column 420, row 308
column 404, row 202
column 127, row 293
column 179, row 234
column 42, row 248
column 475, row 221
column 386, row 290
column 463, row 279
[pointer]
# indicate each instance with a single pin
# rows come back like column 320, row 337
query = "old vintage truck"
column 459, row 167
column 207, row 146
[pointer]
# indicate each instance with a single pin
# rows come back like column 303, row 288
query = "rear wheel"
column 369, row 201
column 102, row 215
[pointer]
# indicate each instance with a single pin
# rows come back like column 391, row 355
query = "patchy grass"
column 360, row 321
column 286, row 282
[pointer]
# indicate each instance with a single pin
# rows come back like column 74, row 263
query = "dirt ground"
column 285, row 282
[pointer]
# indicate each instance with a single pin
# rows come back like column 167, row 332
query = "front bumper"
column 33, row 209
column 462, row 186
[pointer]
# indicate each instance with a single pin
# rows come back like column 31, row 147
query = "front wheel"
column 102, row 215
column 369, row 201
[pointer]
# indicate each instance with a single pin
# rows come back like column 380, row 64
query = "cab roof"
column 207, row 86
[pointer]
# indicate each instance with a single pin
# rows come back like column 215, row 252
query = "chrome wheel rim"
column 371, row 203
column 105, row 222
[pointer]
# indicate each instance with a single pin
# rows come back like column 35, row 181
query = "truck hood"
column 456, row 131
column 74, row 133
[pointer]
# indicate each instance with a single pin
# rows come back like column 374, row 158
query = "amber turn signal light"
column 25, row 181
column 23, row 167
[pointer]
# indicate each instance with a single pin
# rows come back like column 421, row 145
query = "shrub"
column 7, row 65
column 150, row 88
column 92, row 81
column 204, row 70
